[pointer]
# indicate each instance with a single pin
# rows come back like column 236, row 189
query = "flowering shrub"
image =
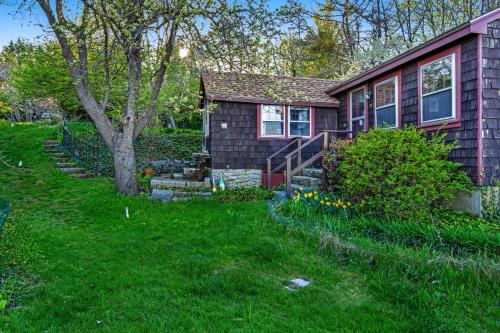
column 318, row 203
column 401, row 174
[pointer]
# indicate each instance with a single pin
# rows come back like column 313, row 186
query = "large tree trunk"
column 124, row 163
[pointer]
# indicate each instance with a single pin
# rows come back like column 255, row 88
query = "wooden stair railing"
column 270, row 169
column 301, row 165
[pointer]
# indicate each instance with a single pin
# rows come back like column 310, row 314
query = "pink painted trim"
column 447, row 123
column 313, row 122
column 259, row 132
column 365, row 90
column 268, row 101
column 286, row 135
column 366, row 107
column 478, row 25
column 399, row 95
column 479, row 159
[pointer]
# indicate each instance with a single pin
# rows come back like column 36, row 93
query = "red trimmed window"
column 272, row 121
column 387, row 101
column 283, row 122
column 439, row 89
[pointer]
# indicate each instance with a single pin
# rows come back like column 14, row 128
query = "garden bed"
column 447, row 232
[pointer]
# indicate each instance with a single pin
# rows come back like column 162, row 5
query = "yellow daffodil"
column 344, row 206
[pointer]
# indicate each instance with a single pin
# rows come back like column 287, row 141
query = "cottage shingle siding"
column 491, row 104
column 466, row 134
column 237, row 146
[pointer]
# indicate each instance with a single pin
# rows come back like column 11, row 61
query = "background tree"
column 140, row 35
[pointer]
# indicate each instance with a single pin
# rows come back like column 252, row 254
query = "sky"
column 29, row 26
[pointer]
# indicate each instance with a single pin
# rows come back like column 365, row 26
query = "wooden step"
column 64, row 165
column 50, row 142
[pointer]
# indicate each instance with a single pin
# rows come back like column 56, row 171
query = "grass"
column 71, row 261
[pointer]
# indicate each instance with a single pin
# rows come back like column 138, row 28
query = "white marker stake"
column 20, row 163
column 126, row 213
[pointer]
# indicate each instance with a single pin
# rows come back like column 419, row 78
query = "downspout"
column 480, row 109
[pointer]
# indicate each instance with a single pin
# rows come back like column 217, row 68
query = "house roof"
column 257, row 88
column 476, row 26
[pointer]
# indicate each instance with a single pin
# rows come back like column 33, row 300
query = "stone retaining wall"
column 171, row 166
column 239, row 178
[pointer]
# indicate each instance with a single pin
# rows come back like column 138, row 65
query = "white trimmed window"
column 272, row 121
column 299, row 121
column 357, row 108
column 437, row 89
column 386, row 103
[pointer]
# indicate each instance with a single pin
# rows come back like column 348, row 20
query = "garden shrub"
column 243, row 194
column 398, row 173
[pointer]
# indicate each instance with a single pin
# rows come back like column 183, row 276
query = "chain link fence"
column 91, row 151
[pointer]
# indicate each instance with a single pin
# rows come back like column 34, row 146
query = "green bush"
column 243, row 194
column 399, row 173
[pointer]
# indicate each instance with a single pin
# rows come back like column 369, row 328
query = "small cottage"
column 262, row 126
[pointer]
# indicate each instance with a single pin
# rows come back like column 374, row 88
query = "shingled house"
column 450, row 83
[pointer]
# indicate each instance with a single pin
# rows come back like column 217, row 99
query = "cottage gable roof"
column 257, row 88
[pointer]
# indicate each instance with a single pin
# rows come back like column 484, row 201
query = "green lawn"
column 74, row 259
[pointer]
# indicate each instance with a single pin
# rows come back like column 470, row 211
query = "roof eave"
column 269, row 101
column 476, row 26
column 398, row 61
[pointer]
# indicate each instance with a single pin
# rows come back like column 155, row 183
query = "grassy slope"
column 197, row 267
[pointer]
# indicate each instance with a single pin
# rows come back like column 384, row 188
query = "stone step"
column 60, row 154
column 182, row 194
column 64, row 165
column 72, row 170
column 178, row 176
column 62, row 159
column 297, row 187
column 50, row 142
column 169, row 183
column 188, row 172
column 305, row 181
column 311, row 172
column 82, row 175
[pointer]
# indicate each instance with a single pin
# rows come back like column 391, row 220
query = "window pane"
column 299, row 129
column 272, row 112
column 358, row 103
column 386, row 117
column 386, row 93
column 299, row 113
column 272, row 128
column 437, row 75
column 437, row 106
